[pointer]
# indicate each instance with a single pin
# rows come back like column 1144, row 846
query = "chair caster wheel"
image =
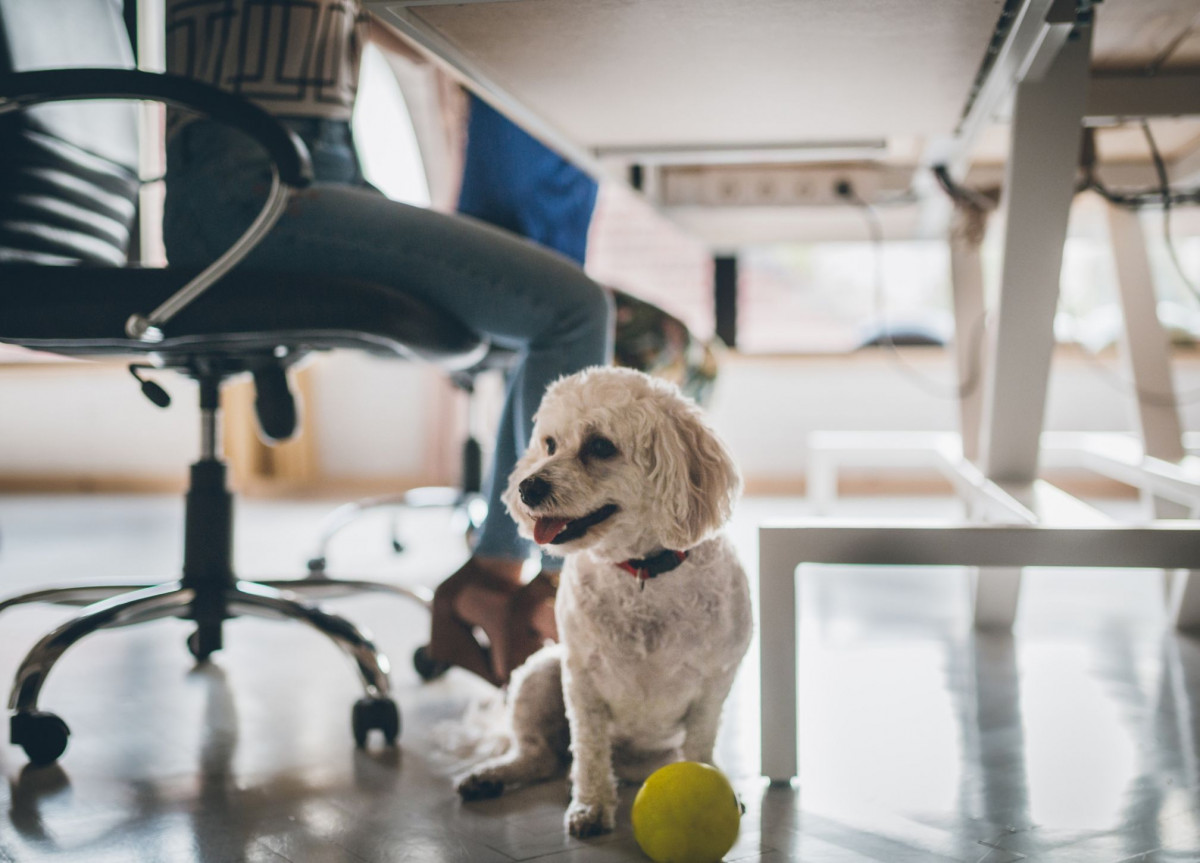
column 397, row 546
column 316, row 566
column 428, row 667
column 375, row 713
column 203, row 644
column 43, row 736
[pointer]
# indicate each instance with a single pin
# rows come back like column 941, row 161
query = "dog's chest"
column 682, row 621
column 612, row 613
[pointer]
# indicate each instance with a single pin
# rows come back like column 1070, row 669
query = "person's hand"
column 530, row 621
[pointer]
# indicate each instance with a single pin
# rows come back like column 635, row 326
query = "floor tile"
column 1073, row 739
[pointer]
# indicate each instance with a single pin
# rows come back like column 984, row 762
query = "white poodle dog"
column 624, row 479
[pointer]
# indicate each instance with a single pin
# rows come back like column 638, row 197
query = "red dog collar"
column 654, row 565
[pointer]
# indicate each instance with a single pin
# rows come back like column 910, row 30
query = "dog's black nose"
column 533, row 490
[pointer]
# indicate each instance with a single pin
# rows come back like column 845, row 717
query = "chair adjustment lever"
column 150, row 389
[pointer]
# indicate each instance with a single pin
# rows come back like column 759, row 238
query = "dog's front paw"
column 590, row 819
column 476, row 786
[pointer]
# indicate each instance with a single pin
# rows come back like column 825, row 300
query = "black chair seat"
column 81, row 311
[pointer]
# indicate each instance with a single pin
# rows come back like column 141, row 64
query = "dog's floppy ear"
column 694, row 477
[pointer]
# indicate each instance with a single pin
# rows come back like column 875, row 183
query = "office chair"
column 68, row 187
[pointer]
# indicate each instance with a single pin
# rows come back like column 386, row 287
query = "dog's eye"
column 551, row 446
column 601, row 447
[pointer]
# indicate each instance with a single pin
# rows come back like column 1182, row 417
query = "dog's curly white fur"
column 622, row 467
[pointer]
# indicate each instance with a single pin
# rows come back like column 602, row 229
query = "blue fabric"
column 520, row 295
column 512, row 180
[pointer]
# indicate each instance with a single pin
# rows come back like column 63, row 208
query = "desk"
column 609, row 81
column 730, row 108
column 735, row 111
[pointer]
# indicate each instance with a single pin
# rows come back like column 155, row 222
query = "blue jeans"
column 518, row 294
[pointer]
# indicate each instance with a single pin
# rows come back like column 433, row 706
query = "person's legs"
column 487, row 590
column 520, row 295
column 512, row 180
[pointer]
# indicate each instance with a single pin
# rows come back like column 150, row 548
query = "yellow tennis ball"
column 686, row 813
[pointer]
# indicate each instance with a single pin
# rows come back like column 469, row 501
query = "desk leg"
column 1147, row 353
column 966, row 281
column 1039, row 186
column 997, row 590
column 1184, row 599
column 1145, row 344
column 779, row 619
column 822, row 481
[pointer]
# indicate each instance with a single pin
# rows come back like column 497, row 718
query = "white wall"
column 369, row 417
column 381, row 419
column 372, row 416
column 766, row 407
column 92, row 419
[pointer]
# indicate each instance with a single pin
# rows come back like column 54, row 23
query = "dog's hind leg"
column 538, row 727
column 529, row 761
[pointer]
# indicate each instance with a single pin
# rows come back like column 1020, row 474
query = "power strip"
column 777, row 185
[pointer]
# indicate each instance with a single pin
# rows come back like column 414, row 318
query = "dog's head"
column 623, row 465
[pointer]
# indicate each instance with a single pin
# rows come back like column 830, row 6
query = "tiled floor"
column 1073, row 740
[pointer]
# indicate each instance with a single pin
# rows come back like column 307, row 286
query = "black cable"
column 1130, row 388
column 1164, row 182
column 962, row 194
column 1161, row 194
column 1139, row 198
column 924, row 382
column 1126, row 387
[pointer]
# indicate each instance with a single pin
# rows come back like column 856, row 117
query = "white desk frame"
column 997, row 460
column 783, row 549
column 1015, row 520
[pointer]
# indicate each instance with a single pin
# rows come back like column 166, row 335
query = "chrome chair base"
column 207, row 593
column 174, row 600
column 43, row 735
column 466, row 502
column 471, row 506
column 313, row 586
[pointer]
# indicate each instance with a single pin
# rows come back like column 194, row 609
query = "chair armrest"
column 24, row 89
column 291, row 165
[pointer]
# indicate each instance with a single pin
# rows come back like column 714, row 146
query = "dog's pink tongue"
column 545, row 529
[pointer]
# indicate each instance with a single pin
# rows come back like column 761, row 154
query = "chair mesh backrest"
column 68, row 171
